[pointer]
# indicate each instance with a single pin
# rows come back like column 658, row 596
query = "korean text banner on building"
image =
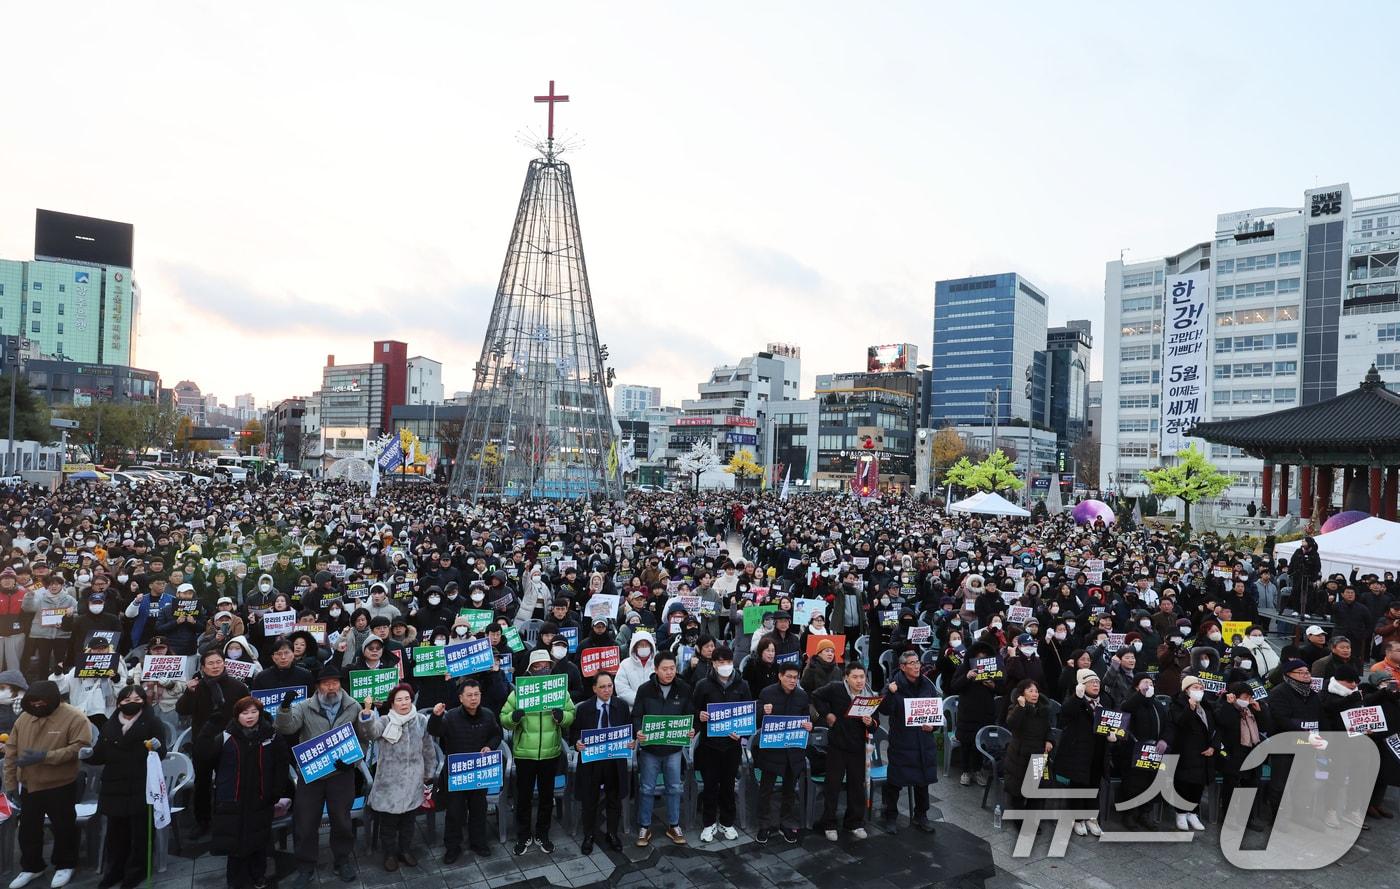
column 1185, row 339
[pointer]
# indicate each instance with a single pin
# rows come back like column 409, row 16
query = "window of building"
column 35, row 307
column 1285, row 396
column 1388, row 333
column 1224, row 266
column 1137, row 304
column 1286, row 340
column 36, row 285
column 62, row 288
column 1288, row 285
column 1254, row 263
column 34, row 327
column 1285, row 368
column 60, row 308
column 60, row 328
column 1289, row 257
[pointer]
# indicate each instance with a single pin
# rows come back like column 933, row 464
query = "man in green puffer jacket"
column 537, row 743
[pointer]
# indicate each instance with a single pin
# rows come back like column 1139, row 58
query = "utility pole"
column 15, row 347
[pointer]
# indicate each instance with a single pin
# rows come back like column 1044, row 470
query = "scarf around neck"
column 394, row 730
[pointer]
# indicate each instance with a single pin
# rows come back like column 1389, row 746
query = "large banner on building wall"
column 1185, row 338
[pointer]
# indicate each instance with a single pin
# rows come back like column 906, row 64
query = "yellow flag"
column 612, row 458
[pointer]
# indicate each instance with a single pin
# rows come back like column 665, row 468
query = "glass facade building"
column 71, row 310
column 988, row 334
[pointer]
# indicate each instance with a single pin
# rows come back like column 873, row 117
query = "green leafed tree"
column 996, row 473
column 31, row 413
column 1191, row 478
column 960, row 474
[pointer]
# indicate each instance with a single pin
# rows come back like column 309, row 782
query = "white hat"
column 185, row 587
column 539, row 656
column 1314, row 630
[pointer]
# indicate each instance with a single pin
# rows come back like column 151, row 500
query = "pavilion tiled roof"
column 1367, row 417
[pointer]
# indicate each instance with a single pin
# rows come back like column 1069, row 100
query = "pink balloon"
column 1342, row 519
column 1087, row 511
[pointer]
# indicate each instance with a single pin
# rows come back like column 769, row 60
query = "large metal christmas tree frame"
column 539, row 424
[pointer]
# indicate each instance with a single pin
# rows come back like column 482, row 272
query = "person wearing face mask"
column 93, row 616
column 1080, row 755
column 12, row 621
column 1192, row 735
column 1054, row 650
column 718, row 757
column 1023, row 662
column 41, row 756
column 1243, row 724
column 1173, row 657
column 976, row 708
column 432, row 612
column 1145, row 634
column 329, row 707
column 122, row 748
column 245, row 658
column 13, row 685
column 1146, row 720
column 637, row 667
column 536, row 741
column 96, row 695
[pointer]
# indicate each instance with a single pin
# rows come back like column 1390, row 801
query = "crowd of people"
column 1100, row 650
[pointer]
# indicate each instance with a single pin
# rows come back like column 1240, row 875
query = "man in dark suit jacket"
column 601, row 710
column 784, row 698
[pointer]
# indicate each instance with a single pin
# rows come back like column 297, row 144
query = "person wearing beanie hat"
column 251, row 782
column 822, row 667
column 1191, row 734
column 13, row 685
column 1081, row 752
column 42, row 756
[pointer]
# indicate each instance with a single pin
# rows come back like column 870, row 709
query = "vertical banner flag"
column 1185, row 336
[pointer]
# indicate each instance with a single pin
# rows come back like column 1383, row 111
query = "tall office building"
column 988, row 333
column 1302, row 301
column 76, row 300
column 633, row 401
column 1068, row 351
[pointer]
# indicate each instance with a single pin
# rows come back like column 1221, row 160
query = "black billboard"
column 82, row 238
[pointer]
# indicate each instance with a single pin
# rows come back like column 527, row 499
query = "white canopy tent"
column 989, row 504
column 1370, row 545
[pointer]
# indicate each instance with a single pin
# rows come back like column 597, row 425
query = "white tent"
column 989, row 504
column 1370, row 545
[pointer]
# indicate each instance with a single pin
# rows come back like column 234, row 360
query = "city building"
column 438, row 427
column 1302, row 301
column 795, row 429
column 880, row 407
column 189, row 401
column 77, row 298
column 735, row 403
column 392, row 355
column 313, row 447
column 424, row 381
column 988, row 337
column 1094, row 426
column 352, row 407
column 75, row 383
column 1043, row 453
column 1068, row 352
column 285, row 431
column 633, row 401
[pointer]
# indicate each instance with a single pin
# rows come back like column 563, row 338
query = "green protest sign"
column 477, row 618
column 535, row 694
column 513, row 640
column 372, row 683
column 671, row 731
column 753, row 616
column 430, row 660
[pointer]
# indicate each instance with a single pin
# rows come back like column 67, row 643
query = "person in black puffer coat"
column 976, row 708
column 1146, row 725
column 1079, row 757
column 1191, row 734
column 122, row 748
column 1028, row 718
column 252, row 778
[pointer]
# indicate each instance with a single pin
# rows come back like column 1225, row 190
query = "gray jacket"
column 306, row 719
column 403, row 767
column 35, row 601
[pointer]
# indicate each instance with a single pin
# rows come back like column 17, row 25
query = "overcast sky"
column 307, row 177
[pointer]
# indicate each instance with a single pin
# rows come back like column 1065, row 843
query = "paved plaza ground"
column 966, row 853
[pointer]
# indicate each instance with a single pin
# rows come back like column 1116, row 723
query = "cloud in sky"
column 307, row 178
